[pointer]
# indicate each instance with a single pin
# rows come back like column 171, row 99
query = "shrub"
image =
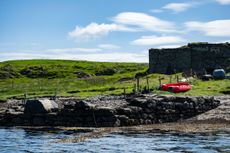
column 34, row 72
column 107, row 71
column 82, row 74
column 7, row 71
column 4, row 75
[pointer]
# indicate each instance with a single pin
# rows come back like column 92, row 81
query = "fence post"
column 55, row 94
column 25, row 97
column 134, row 88
column 159, row 81
column 138, row 84
column 170, row 79
column 124, row 93
column 147, row 81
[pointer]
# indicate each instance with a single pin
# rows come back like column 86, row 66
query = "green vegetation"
column 39, row 78
column 198, row 43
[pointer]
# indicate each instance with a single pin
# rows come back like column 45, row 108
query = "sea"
column 13, row 140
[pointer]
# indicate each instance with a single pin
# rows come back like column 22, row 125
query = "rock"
column 139, row 102
column 38, row 121
column 124, row 111
column 69, row 104
column 41, row 106
column 104, row 111
column 83, row 105
column 123, row 118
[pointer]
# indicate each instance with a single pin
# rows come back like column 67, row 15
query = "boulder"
column 83, row 105
column 40, row 106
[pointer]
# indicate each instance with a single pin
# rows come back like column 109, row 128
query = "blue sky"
column 103, row 30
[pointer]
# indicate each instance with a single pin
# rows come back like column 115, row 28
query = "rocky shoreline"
column 110, row 111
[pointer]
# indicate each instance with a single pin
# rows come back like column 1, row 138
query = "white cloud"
column 108, row 46
column 126, row 21
column 223, row 2
column 212, row 28
column 94, row 30
column 76, row 50
column 144, row 22
column 155, row 40
column 170, row 46
column 220, row 41
column 103, row 57
column 177, row 7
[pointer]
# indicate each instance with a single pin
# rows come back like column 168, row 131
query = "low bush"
column 8, row 71
column 107, row 71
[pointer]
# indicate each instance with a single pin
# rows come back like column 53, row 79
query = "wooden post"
column 138, row 85
column 55, row 94
column 177, row 78
column 25, row 97
column 134, row 88
column 159, row 81
column 191, row 73
column 124, row 93
column 147, row 81
column 170, row 79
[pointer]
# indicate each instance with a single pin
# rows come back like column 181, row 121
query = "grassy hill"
column 82, row 79
column 65, row 77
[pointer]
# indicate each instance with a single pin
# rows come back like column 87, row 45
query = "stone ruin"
column 198, row 57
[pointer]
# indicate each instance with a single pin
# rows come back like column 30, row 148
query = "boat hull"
column 176, row 87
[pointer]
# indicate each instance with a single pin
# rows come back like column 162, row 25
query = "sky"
column 107, row 30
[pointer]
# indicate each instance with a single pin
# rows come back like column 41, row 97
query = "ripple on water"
column 20, row 140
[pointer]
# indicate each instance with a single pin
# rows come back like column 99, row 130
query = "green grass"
column 67, row 81
column 39, row 78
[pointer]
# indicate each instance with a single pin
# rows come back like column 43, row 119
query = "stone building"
column 199, row 57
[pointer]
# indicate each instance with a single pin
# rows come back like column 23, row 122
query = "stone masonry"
column 199, row 57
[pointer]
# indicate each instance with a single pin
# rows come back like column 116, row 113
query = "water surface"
column 22, row 140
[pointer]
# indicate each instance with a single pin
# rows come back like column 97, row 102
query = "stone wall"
column 198, row 57
column 132, row 111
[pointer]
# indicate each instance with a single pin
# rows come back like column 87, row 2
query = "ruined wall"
column 169, row 60
column 198, row 57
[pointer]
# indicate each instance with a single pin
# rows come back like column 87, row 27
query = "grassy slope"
column 68, row 83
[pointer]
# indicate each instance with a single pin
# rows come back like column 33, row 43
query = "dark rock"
column 69, row 104
column 139, row 102
column 104, row 111
column 123, row 118
column 83, row 105
column 40, row 106
column 136, row 110
column 126, row 111
column 38, row 121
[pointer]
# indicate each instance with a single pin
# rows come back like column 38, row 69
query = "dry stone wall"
column 130, row 111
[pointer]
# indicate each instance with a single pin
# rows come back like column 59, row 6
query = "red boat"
column 176, row 87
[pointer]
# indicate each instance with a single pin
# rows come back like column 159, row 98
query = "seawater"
column 23, row 140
